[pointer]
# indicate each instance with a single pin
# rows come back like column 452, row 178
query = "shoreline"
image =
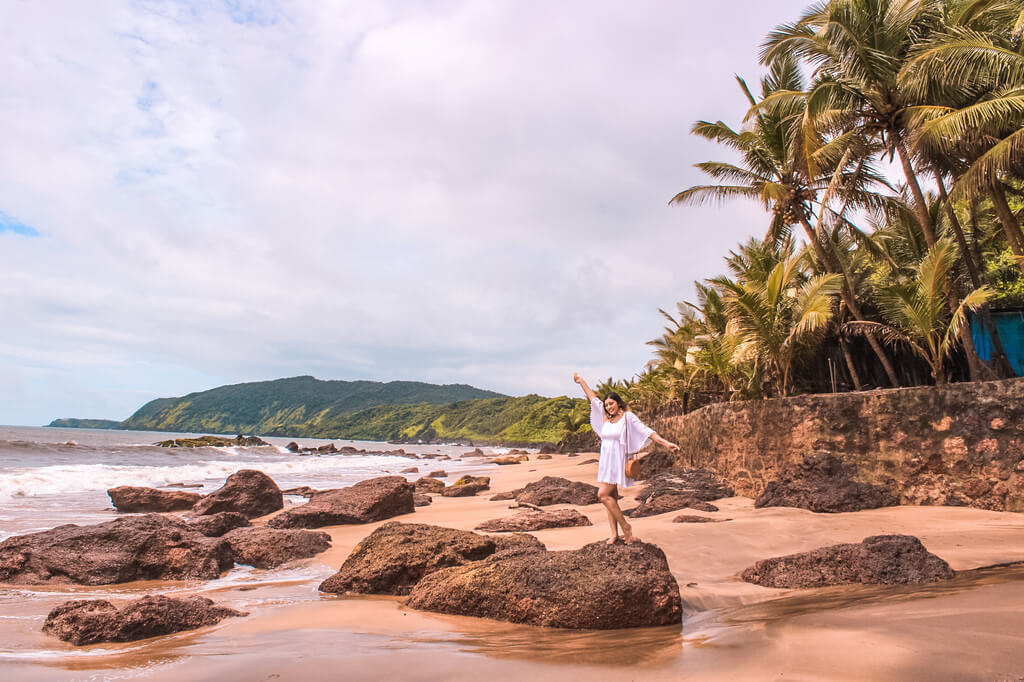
column 731, row 629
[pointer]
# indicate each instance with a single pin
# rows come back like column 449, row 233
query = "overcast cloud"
column 201, row 193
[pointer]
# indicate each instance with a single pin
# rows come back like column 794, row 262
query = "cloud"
column 447, row 191
column 10, row 224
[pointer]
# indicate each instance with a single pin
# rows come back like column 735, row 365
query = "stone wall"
column 959, row 444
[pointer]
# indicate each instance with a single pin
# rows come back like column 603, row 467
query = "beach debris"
column 271, row 547
column 821, row 482
column 694, row 518
column 145, row 547
column 89, row 621
column 429, row 485
column 393, row 558
column 599, row 586
column 699, row 484
column 247, row 492
column 556, row 490
column 212, row 442
column 535, row 520
column 669, row 503
column 127, row 498
column 215, row 525
column 374, row 499
column 877, row 560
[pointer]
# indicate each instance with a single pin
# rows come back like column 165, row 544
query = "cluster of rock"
column 213, row 442
column 821, row 482
column 332, row 449
column 552, row 490
column 464, row 573
column 877, row 560
column 678, row 489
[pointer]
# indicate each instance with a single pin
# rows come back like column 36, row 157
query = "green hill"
column 72, row 423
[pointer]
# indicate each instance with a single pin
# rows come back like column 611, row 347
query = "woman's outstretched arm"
column 583, row 384
column 664, row 443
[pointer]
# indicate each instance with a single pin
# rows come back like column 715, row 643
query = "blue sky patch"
column 11, row 224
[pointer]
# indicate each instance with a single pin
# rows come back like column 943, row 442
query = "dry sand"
column 971, row 628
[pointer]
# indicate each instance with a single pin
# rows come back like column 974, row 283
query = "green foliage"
column 1005, row 278
column 72, row 423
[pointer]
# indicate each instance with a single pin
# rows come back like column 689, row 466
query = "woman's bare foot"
column 612, row 541
column 627, row 536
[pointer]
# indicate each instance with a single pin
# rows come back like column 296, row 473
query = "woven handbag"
column 633, row 467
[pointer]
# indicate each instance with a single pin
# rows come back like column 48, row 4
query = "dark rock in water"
column 89, row 621
column 440, row 473
column 215, row 525
column 270, row 547
column 468, row 490
column 292, row 447
column 554, row 490
column 371, row 500
column 328, row 449
column 212, row 442
column 698, row 484
column 693, row 518
column 247, row 492
column 535, row 520
column 301, row 491
column 421, row 499
column 150, row 547
column 184, row 485
column 822, row 483
column 476, row 452
column 597, row 587
column 429, row 485
column 128, row 498
column 877, row 560
column 410, row 470
column 517, row 541
column 393, row 558
column 669, row 503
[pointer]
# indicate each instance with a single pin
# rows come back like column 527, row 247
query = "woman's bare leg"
column 608, row 494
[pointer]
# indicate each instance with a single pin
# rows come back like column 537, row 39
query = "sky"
column 209, row 192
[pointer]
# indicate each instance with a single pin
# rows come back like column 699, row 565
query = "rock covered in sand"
column 150, row 547
column 597, row 587
column 89, row 621
column 247, row 492
column 877, row 560
column 375, row 499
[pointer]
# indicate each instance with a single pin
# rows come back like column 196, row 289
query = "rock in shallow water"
column 877, row 560
column 127, row 498
column 271, row 547
column 150, row 547
column 535, row 520
column 822, row 483
column 89, row 621
column 247, row 492
column 371, row 500
column 597, row 587
column 393, row 558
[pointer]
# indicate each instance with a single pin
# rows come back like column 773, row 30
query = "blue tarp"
column 1010, row 324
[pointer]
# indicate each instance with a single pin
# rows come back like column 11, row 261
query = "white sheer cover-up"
column 611, row 468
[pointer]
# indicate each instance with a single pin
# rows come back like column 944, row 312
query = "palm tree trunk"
column 849, row 364
column 920, row 205
column 1011, row 228
column 849, row 298
column 999, row 360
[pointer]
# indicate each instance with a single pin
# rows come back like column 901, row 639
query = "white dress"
column 611, row 468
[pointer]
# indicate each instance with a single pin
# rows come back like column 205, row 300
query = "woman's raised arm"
column 583, row 384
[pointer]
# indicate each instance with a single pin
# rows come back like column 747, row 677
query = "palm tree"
column 916, row 313
column 789, row 171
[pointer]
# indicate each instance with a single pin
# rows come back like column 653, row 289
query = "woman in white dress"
column 621, row 432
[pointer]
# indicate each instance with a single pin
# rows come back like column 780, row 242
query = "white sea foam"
column 72, row 478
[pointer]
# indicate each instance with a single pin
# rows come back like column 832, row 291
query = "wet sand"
column 970, row 628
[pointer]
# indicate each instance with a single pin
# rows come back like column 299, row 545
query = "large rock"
column 555, row 490
column 822, row 483
column 669, row 503
column 150, row 547
column 600, row 586
column 467, row 490
column 878, row 560
column 393, row 558
column 698, row 484
column 519, row 542
column 247, row 492
column 429, row 485
column 375, row 499
column 127, row 498
column 215, row 525
column 535, row 520
column 271, row 547
column 88, row 621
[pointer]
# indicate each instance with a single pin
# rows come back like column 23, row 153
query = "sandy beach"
column 970, row 628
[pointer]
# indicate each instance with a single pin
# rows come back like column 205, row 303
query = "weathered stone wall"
column 958, row 444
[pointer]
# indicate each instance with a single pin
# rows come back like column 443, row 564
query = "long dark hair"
column 617, row 398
